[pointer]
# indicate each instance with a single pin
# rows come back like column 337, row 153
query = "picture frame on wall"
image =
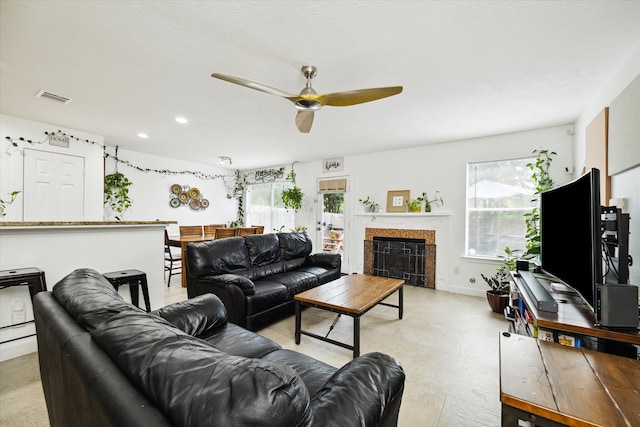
column 397, row 200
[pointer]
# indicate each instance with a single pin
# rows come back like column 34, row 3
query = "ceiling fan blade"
column 304, row 120
column 254, row 85
column 358, row 96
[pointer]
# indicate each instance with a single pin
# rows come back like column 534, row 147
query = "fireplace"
column 404, row 254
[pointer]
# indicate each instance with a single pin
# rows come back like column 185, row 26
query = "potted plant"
column 415, row 205
column 116, row 192
column 498, row 295
column 543, row 181
column 369, row 204
column 292, row 197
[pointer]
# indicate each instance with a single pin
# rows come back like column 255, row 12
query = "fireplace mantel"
column 440, row 221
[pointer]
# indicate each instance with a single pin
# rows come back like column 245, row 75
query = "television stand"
column 575, row 318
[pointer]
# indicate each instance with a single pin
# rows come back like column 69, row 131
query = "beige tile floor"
column 447, row 344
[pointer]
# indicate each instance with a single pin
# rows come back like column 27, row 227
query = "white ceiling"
column 469, row 69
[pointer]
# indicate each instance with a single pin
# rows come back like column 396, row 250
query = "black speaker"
column 617, row 306
column 522, row 264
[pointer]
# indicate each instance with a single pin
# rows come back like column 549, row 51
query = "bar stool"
column 30, row 276
column 133, row 278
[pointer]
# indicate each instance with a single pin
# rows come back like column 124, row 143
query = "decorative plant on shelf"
column 415, row 205
column 369, row 204
column 542, row 180
column 116, row 192
column 4, row 203
column 292, row 197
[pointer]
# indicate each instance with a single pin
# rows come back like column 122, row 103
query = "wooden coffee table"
column 351, row 295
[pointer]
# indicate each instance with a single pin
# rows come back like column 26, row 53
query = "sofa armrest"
column 325, row 259
column 365, row 392
column 195, row 315
column 232, row 290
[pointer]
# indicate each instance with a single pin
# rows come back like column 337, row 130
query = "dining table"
column 182, row 242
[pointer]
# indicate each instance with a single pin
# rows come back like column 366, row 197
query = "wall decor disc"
column 195, row 205
column 176, row 189
column 173, row 196
column 194, row 193
column 174, row 203
column 204, row 203
column 185, row 188
column 184, row 197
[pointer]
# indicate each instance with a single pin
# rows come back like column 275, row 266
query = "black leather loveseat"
column 105, row 362
column 257, row 276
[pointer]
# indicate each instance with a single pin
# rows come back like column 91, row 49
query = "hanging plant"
column 116, row 192
column 292, row 197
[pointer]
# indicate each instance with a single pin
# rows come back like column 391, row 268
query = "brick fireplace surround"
column 429, row 237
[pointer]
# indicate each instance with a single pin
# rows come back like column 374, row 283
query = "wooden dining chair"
column 210, row 230
column 225, row 232
column 171, row 257
column 259, row 229
column 243, row 231
column 190, row 230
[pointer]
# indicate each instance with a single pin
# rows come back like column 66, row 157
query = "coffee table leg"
column 356, row 337
column 298, row 322
column 400, row 301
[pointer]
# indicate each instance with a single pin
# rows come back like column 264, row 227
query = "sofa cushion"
column 268, row 294
column 294, row 245
column 296, row 281
column 263, row 248
column 89, row 298
column 238, row 341
column 217, row 257
column 195, row 316
column 197, row 384
column 313, row 372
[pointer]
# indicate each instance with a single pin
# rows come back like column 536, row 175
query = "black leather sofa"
column 257, row 276
column 105, row 362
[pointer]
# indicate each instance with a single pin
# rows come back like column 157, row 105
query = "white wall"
column 11, row 162
column 437, row 167
column 151, row 190
column 625, row 184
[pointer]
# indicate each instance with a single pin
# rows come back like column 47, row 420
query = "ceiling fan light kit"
column 309, row 101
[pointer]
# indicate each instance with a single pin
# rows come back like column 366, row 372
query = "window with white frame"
column 499, row 193
column 264, row 206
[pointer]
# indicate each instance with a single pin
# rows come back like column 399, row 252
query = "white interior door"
column 53, row 186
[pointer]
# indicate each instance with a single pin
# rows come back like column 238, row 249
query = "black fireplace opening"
column 400, row 258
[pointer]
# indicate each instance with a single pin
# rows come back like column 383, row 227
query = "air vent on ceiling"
column 53, row 97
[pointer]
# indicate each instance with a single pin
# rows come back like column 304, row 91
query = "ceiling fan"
column 309, row 100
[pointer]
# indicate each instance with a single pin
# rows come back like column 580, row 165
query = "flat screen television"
column 570, row 234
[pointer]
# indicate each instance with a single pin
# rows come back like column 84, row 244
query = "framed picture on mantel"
column 397, row 200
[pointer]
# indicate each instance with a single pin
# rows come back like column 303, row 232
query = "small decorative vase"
column 415, row 208
column 427, row 208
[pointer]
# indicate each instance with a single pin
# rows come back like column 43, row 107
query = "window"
column 264, row 207
column 499, row 193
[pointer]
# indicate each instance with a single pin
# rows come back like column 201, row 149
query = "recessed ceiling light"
column 143, row 135
column 182, row 120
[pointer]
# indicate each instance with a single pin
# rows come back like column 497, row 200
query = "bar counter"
column 58, row 248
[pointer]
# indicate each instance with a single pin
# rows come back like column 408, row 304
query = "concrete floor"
column 447, row 344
